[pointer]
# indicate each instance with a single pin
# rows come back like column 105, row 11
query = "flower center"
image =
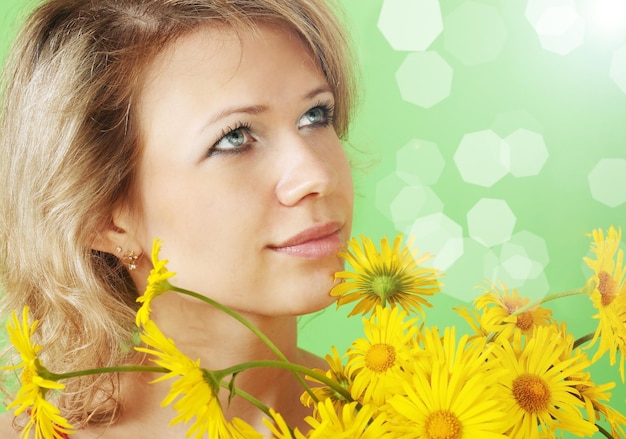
column 531, row 393
column 383, row 285
column 380, row 357
column 442, row 424
column 607, row 288
column 525, row 321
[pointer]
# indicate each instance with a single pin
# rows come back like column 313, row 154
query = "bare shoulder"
column 6, row 426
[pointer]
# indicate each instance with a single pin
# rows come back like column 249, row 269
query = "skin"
column 221, row 213
column 228, row 208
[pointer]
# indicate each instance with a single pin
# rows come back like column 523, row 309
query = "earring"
column 129, row 258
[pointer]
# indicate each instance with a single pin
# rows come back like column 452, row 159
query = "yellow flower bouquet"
column 518, row 374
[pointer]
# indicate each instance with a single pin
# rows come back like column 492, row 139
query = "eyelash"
column 327, row 107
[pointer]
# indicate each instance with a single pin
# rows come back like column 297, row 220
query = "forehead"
column 225, row 48
column 203, row 74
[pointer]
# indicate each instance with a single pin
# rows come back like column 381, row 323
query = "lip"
column 315, row 242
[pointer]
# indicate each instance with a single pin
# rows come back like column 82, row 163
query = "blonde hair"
column 70, row 144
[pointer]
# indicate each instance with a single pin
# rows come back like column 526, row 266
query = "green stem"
column 541, row 301
column 295, row 368
column 604, row 432
column 251, row 327
column 584, row 339
column 548, row 298
column 79, row 373
column 251, row 399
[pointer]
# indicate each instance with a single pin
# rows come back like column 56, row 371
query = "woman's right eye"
column 232, row 141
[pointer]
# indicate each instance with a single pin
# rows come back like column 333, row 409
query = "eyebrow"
column 257, row 109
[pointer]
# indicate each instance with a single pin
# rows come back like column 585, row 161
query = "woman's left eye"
column 319, row 115
column 233, row 141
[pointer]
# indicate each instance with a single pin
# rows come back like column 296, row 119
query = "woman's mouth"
column 313, row 243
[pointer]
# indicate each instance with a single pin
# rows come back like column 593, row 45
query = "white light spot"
column 618, row 68
column 607, row 181
column 410, row 25
column 424, row 78
column 490, row 222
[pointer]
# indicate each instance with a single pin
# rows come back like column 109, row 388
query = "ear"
column 118, row 234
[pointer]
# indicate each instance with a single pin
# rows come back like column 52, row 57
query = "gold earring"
column 129, row 258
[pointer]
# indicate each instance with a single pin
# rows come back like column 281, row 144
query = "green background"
column 492, row 130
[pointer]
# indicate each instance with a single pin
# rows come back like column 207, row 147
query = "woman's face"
column 242, row 174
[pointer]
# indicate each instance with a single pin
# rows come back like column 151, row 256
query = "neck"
column 203, row 332
column 219, row 341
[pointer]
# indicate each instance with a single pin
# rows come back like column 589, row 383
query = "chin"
column 303, row 303
column 315, row 303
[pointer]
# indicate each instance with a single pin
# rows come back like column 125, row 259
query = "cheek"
column 346, row 185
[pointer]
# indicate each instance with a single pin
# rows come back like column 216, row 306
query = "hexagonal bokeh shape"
column 424, row 78
column 461, row 279
column 438, row 235
column 618, row 68
column 558, row 24
column 474, row 33
column 410, row 25
column 517, row 263
column 482, row 158
column 518, row 266
column 536, row 8
column 490, row 222
column 387, row 189
column 498, row 270
column 534, row 246
column 607, row 181
column 532, row 288
column 413, row 202
column 527, row 152
column 419, row 162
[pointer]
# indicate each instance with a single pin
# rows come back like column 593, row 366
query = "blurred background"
column 494, row 132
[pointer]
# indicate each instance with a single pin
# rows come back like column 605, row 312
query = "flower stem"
column 251, row 399
column 548, row 298
column 251, row 327
column 604, row 432
column 584, row 339
column 541, row 301
column 79, row 373
column 295, row 368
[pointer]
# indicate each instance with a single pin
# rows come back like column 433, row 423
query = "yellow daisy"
column 609, row 295
column 593, row 396
column 280, row 429
column 336, row 373
column 590, row 393
column 498, row 305
column 350, row 422
column 540, row 384
column 391, row 276
column 473, row 318
column 473, row 356
column 45, row 418
column 157, row 284
column 454, row 397
column 194, row 393
column 377, row 362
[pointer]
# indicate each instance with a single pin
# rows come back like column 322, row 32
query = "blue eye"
column 232, row 140
column 313, row 116
column 321, row 114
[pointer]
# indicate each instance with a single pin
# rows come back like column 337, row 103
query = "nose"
column 307, row 170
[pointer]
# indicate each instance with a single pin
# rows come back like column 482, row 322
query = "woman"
column 213, row 125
